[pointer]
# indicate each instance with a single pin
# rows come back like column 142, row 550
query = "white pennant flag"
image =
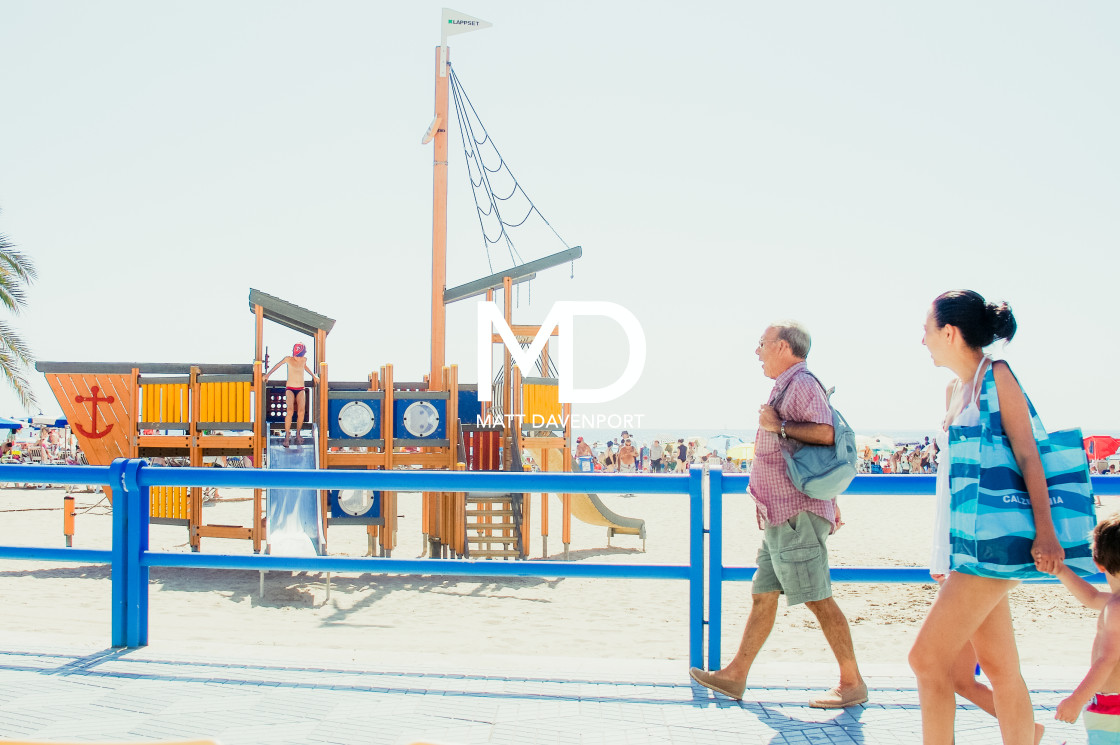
column 455, row 22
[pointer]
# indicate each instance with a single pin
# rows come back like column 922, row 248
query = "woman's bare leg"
column 971, row 689
column 959, row 611
column 994, row 643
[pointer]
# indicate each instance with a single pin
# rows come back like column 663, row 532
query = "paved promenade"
column 51, row 691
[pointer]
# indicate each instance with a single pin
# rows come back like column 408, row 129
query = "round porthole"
column 355, row 502
column 356, row 419
column 421, row 419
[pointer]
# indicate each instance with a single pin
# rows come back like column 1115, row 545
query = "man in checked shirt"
column 793, row 558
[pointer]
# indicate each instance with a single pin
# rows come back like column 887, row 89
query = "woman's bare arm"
column 1015, row 415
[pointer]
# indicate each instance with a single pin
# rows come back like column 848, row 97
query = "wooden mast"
column 439, row 221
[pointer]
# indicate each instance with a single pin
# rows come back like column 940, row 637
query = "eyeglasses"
column 763, row 342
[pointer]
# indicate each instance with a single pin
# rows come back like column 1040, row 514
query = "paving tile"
column 115, row 694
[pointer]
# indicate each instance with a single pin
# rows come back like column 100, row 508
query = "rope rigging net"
column 489, row 204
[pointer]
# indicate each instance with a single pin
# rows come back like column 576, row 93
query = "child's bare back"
column 1100, row 689
column 1107, row 643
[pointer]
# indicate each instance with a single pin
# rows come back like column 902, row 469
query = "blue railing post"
column 715, row 565
column 696, row 567
column 118, row 565
column 136, row 575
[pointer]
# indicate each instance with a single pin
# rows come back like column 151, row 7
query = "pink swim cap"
column 299, row 350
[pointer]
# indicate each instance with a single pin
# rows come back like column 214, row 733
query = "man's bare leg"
column 839, row 637
column 301, row 398
column 290, row 401
column 760, row 622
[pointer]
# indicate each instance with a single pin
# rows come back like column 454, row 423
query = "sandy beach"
column 589, row 618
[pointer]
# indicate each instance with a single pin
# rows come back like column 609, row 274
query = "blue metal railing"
column 720, row 484
column 131, row 559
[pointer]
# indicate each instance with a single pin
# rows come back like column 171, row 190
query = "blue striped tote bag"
column 991, row 526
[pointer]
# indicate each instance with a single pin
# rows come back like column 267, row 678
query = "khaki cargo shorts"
column 793, row 560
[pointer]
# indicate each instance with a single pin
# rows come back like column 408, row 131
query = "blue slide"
column 294, row 522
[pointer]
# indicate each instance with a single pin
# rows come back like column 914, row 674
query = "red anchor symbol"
column 95, row 398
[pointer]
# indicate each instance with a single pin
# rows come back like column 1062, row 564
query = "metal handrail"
column 130, row 481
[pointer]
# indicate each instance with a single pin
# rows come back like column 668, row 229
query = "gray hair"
column 796, row 335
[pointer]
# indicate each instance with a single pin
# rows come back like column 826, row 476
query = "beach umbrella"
column 722, row 443
column 6, row 423
column 1098, row 447
column 48, row 421
column 745, row 451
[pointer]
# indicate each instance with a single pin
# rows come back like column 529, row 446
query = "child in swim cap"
column 296, row 394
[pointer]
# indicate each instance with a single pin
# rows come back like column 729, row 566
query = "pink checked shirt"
column 775, row 496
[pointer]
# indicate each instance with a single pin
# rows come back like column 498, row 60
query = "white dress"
column 969, row 417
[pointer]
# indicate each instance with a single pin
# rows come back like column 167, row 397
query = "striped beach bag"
column 991, row 526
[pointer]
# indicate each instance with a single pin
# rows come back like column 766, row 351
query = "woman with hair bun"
column 972, row 605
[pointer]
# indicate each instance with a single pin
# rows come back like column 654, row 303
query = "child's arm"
column 1088, row 595
column 1107, row 655
column 275, row 367
column 313, row 375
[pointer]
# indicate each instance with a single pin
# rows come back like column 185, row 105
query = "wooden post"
column 193, row 434
column 546, row 457
column 324, row 495
column 68, row 519
column 260, row 426
column 507, row 397
column 134, row 416
column 388, row 499
column 260, row 431
column 439, row 221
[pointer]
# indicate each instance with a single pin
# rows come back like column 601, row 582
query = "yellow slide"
column 590, row 509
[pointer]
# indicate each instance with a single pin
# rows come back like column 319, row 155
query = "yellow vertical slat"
column 225, row 402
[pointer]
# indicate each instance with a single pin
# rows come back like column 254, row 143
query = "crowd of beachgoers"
column 53, row 445
column 624, row 455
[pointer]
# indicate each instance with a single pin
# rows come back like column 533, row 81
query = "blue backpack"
column 822, row 471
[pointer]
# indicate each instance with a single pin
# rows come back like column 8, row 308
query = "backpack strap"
column 782, row 395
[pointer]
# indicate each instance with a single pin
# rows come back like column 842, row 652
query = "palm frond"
column 16, row 272
column 15, row 362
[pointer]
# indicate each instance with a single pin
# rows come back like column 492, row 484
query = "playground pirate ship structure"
column 184, row 413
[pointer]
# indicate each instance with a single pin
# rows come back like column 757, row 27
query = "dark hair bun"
column 980, row 322
column 1002, row 320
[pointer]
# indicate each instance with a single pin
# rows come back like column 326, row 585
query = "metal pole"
column 118, row 565
column 696, row 567
column 136, row 575
column 715, row 565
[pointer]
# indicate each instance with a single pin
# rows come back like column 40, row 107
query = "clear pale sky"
column 722, row 164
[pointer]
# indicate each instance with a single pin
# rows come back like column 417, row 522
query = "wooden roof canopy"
column 289, row 315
